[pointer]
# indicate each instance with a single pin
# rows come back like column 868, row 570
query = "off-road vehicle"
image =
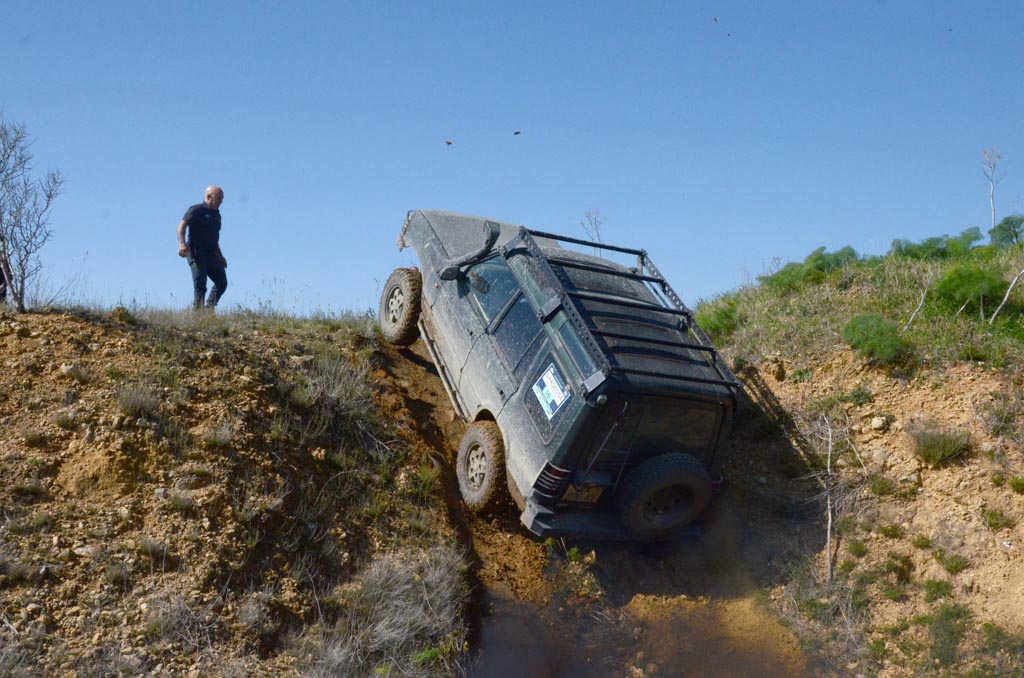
column 589, row 390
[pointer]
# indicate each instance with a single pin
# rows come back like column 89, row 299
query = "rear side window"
column 516, row 331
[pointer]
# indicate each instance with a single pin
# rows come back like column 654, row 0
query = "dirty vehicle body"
column 589, row 390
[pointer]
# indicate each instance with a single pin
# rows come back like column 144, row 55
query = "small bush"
column 996, row 519
column 875, row 338
column 1002, row 415
column 937, row 446
column 901, row 566
column 998, row 640
column 138, row 400
column 952, row 563
column 64, row 419
column 920, row 541
column 891, row 531
column 947, row 628
column 35, row 439
column 882, row 485
column 857, row 548
column 858, row 396
column 895, row 592
column 814, row 269
column 940, row 247
column 1017, row 484
column 935, row 589
column 719, row 317
column 969, row 284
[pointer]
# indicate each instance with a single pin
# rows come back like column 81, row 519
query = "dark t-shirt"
column 203, row 229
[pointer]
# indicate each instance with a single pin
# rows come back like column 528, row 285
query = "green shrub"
column 719, row 317
column 937, row 446
column 857, row 548
column 901, row 566
column 813, row 269
column 921, row 541
column 940, row 247
column 875, row 338
column 964, row 283
column 952, row 563
column 1017, row 484
column 882, row 485
column 935, row 589
column 1008, row 232
column 861, row 395
column 947, row 628
column 891, row 531
column 995, row 519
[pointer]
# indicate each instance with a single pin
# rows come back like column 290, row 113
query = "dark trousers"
column 207, row 265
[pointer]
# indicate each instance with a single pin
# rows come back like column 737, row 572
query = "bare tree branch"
column 25, row 204
column 989, row 163
column 927, row 286
column 591, row 225
column 1005, row 297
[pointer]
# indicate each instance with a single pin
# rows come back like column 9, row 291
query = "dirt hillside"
column 163, row 516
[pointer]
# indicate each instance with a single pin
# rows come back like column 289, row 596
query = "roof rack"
column 645, row 272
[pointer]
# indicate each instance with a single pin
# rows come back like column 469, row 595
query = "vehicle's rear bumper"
column 586, row 524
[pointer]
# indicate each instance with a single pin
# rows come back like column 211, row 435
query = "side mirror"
column 450, row 273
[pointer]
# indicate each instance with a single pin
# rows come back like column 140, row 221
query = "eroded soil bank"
column 573, row 608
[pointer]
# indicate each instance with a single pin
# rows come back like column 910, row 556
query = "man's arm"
column 182, row 246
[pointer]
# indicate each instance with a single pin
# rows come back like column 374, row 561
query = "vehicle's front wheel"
column 480, row 467
column 400, row 306
column 663, row 494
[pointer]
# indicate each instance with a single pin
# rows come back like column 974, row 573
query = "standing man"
column 203, row 247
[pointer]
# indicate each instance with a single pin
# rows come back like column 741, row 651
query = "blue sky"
column 719, row 136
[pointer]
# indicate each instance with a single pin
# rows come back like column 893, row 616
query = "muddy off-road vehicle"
column 589, row 391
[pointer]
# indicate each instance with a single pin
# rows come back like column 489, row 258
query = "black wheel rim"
column 668, row 505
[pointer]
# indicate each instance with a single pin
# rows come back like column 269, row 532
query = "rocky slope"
column 226, row 497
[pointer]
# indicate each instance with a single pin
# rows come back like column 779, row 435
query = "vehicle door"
column 511, row 327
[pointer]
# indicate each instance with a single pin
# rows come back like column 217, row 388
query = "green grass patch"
column 935, row 589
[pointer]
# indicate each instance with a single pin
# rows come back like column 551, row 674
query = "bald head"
column 214, row 197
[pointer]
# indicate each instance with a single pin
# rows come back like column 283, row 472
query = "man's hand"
column 223, row 261
column 182, row 251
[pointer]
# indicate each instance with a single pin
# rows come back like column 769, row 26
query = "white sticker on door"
column 551, row 391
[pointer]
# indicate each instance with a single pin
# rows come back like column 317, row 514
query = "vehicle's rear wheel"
column 663, row 494
column 400, row 306
column 480, row 467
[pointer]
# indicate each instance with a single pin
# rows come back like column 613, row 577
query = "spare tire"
column 663, row 494
column 400, row 306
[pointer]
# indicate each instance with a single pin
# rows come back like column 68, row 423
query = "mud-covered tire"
column 400, row 306
column 480, row 468
column 663, row 494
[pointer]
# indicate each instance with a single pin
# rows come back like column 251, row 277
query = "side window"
column 516, row 331
column 493, row 287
